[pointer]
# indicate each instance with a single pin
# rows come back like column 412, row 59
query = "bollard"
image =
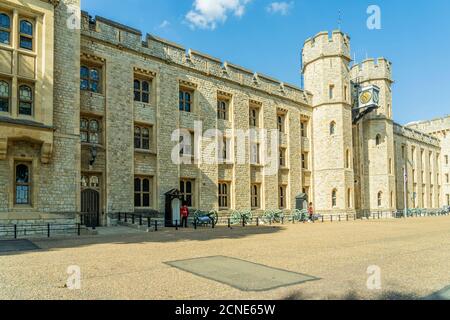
column 282, row 220
column 48, row 230
column 126, row 218
column 156, row 225
column 140, row 220
column 243, row 222
column 195, row 223
column 323, row 220
column 176, row 224
column 149, row 222
column 15, row 231
column 119, row 216
column 257, row 221
column 79, row 229
column 132, row 218
column 229, row 223
column 213, row 224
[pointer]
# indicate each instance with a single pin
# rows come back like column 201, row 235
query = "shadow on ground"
column 354, row 296
column 163, row 236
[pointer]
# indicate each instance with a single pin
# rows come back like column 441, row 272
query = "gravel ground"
column 413, row 256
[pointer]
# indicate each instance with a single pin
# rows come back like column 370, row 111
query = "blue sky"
column 266, row 36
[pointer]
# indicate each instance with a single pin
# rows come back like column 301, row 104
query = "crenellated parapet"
column 124, row 37
column 324, row 44
column 416, row 135
column 372, row 69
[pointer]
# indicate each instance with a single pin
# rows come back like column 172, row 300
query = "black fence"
column 48, row 230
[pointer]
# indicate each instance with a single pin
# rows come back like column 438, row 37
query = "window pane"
column 145, row 86
column 5, row 37
column 137, row 185
column 137, row 199
column 146, row 200
column 137, row 85
column 187, row 96
column 93, row 138
column 4, row 105
column 26, row 28
column 188, row 187
column 189, row 201
column 84, row 85
column 93, row 125
column 26, row 43
column 84, row 72
column 146, row 185
column 25, row 108
column 83, row 136
column 181, row 106
column 145, row 97
column 137, row 142
column 5, row 21
column 145, row 133
column 137, row 96
column 83, row 124
column 145, row 143
column 25, row 93
column 182, row 186
column 94, row 86
column 22, row 194
column 22, row 174
column 187, row 107
column 95, row 75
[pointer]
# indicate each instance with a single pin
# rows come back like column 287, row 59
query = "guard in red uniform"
column 184, row 212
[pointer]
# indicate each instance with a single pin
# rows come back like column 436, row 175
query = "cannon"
column 205, row 217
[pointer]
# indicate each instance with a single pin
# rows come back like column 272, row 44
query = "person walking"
column 311, row 212
column 184, row 212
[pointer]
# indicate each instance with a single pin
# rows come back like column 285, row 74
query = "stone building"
column 90, row 108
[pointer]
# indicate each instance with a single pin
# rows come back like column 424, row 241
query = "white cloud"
column 164, row 24
column 282, row 8
column 206, row 14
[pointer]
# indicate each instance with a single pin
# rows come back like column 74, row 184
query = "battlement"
column 326, row 44
column 125, row 37
column 416, row 135
column 431, row 126
column 372, row 69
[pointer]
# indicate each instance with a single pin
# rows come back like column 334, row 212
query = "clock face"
column 365, row 97
column 376, row 97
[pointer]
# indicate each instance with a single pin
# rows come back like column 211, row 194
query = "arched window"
column 378, row 140
column 380, row 199
column 5, row 28
column 25, row 100
column 255, row 197
column 222, row 110
column 282, row 197
column 332, row 128
column 141, row 91
column 23, row 184
column 185, row 100
column 334, row 198
column 90, row 79
column 4, row 96
column 224, row 202
column 26, row 35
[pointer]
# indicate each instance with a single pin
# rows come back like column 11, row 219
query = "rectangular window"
column 142, row 88
column 90, row 130
column 255, row 196
column 225, row 150
column 345, row 93
column 187, row 145
column 446, row 160
column 142, row 192
column 281, row 119
column 254, row 117
column 224, row 195
column 90, row 78
column 255, row 153
column 186, row 100
column 331, row 92
column 222, row 109
column 305, row 160
column 5, row 28
column 26, row 33
column 5, row 95
column 142, row 137
column 22, row 180
column 304, row 129
column 283, row 157
column 187, row 191
column 282, row 196
column 448, row 199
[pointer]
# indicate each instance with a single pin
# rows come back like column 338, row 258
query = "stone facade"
column 77, row 140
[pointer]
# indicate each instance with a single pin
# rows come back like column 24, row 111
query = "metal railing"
column 48, row 230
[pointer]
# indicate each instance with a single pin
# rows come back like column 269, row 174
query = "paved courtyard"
column 413, row 256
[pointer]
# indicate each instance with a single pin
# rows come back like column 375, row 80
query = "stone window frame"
column 380, row 199
column 187, row 96
column 255, row 196
column 282, row 197
column 226, row 150
column 20, row 86
column 29, row 184
column 142, row 192
column 305, row 161
column 223, row 109
column 255, row 108
column 304, row 128
column 90, row 80
column 88, row 131
column 140, row 92
column 27, row 36
column 92, row 62
column 255, row 153
column 140, row 138
column 281, row 122
column 8, row 96
column 349, row 198
column 184, row 182
column 6, row 30
column 283, row 157
column 90, row 180
column 224, row 195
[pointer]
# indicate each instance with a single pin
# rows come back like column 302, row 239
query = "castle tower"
column 374, row 141
column 326, row 70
